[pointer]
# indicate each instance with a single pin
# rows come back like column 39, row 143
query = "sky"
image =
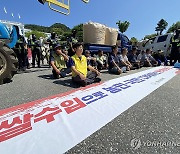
column 143, row 15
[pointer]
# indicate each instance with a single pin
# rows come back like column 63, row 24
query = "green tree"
column 37, row 28
column 150, row 36
column 55, row 27
column 79, row 32
column 123, row 26
column 134, row 41
column 60, row 26
column 58, row 31
column 37, row 33
column 161, row 25
column 174, row 27
column 65, row 36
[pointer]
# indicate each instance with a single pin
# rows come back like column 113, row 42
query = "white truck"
column 160, row 42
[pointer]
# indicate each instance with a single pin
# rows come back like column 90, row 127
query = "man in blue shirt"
column 133, row 58
column 114, row 61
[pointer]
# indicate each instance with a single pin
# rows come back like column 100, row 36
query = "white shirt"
column 124, row 59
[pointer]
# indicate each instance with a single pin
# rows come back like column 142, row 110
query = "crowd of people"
column 84, row 67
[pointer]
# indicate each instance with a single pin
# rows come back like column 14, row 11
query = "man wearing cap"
column 132, row 57
column 58, row 62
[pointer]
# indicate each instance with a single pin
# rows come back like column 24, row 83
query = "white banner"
column 56, row 124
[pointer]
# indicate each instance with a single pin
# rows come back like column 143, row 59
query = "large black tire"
column 8, row 63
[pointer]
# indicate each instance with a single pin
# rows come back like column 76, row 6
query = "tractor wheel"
column 8, row 64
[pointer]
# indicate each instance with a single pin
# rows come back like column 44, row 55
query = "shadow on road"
column 31, row 71
column 48, row 76
column 67, row 83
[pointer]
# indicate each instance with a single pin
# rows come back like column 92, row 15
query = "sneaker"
column 124, row 69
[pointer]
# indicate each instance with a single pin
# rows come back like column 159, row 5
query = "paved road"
column 154, row 118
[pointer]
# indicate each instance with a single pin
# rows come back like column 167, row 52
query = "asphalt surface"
column 152, row 124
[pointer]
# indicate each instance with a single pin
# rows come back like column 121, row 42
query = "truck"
column 160, row 42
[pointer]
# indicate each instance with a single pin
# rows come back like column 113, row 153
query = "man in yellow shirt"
column 80, row 66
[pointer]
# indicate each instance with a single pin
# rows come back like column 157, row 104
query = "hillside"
column 60, row 29
column 57, row 27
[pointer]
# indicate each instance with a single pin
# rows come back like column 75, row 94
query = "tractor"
column 8, row 60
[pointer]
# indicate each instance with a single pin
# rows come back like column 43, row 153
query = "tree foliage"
column 60, row 29
column 134, row 41
column 161, row 25
column 37, row 33
column 150, row 36
column 174, row 27
column 60, row 26
column 66, row 35
column 56, row 26
column 123, row 26
column 78, row 29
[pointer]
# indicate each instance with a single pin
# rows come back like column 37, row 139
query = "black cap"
column 57, row 46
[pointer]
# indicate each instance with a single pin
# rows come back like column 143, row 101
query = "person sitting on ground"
column 79, row 66
column 114, row 61
column 142, row 52
column 58, row 63
column 148, row 59
column 91, row 60
column 133, row 58
column 124, row 60
column 101, row 60
column 161, row 58
column 139, row 57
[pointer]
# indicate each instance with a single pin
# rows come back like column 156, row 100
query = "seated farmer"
column 148, row 59
column 101, row 60
column 124, row 59
column 133, row 58
column 79, row 66
column 58, row 63
column 139, row 57
column 161, row 58
column 114, row 61
column 91, row 60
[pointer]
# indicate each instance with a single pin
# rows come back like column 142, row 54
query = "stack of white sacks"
column 96, row 33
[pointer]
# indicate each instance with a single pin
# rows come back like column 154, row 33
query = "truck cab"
column 124, row 41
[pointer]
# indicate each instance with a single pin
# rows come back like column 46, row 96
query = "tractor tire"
column 8, row 63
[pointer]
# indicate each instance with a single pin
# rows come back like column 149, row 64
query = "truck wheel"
column 8, row 64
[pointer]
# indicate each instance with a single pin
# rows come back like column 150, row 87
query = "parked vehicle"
column 161, row 42
column 8, row 60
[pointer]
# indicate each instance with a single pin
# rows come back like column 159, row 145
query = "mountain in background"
column 61, row 30
column 57, row 27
